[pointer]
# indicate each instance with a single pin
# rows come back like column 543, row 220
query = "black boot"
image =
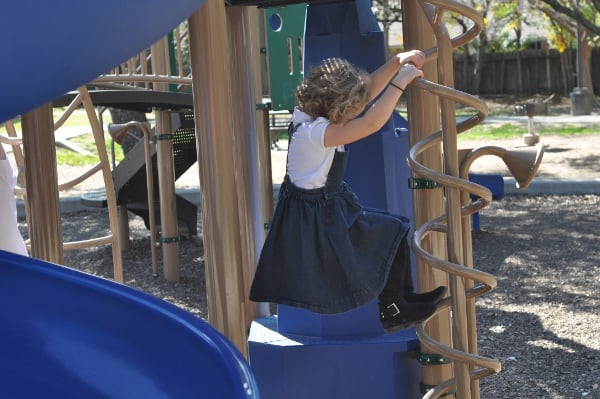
column 395, row 312
column 400, row 314
column 435, row 295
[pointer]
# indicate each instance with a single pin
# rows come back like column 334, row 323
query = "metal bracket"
column 165, row 136
column 168, row 240
column 418, row 183
column 426, row 387
column 432, row 359
column 263, row 106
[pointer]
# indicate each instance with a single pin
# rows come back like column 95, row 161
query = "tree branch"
column 575, row 14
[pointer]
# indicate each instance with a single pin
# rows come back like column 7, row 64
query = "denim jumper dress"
column 324, row 252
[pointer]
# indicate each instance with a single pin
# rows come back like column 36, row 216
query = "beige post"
column 454, row 222
column 212, row 71
column 423, row 119
column 252, row 143
column 42, row 185
column 109, row 186
column 166, row 170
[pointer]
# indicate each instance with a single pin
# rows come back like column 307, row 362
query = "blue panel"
column 360, row 322
column 494, row 183
column 298, row 367
column 335, row 30
column 396, row 145
column 66, row 334
column 51, row 47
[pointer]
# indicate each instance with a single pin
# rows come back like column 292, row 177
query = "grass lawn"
column 509, row 131
column 78, row 119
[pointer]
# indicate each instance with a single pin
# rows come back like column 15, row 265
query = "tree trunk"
column 586, row 57
column 479, row 64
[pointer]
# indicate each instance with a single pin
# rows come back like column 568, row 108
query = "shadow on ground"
column 542, row 320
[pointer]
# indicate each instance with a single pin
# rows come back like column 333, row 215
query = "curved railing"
column 466, row 283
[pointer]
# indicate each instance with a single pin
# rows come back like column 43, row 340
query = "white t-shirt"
column 309, row 160
column 10, row 239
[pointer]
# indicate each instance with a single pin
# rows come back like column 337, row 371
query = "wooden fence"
column 541, row 72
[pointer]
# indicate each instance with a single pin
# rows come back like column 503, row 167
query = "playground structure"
column 233, row 148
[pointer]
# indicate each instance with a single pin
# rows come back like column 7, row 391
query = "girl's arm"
column 376, row 116
column 382, row 76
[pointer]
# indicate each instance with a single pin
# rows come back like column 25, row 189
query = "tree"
column 387, row 12
column 579, row 13
column 583, row 15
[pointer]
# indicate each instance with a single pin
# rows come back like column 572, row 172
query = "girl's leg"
column 395, row 312
column 400, row 282
column 434, row 295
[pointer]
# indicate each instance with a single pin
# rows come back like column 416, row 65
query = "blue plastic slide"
column 51, row 47
column 66, row 334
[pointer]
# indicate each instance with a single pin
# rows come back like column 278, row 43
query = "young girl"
column 324, row 252
column 10, row 239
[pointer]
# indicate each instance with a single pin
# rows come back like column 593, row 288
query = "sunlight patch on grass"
column 65, row 156
column 77, row 118
column 510, row 131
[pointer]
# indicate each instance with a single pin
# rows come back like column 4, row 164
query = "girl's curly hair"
column 333, row 89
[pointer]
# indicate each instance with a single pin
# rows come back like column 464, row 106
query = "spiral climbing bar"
column 435, row 10
column 465, row 282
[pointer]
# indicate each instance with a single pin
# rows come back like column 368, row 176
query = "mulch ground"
column 541, row 321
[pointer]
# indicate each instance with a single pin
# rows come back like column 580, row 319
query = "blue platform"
column 66, row 334
column 299, row 354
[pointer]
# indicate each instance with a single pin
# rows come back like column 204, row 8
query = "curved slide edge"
column 51, row 47
column 69, row 334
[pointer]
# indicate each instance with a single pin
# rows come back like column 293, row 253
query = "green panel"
column 285, row 35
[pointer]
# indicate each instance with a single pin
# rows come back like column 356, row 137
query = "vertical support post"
column 454, row 218
column 42, row 185
column 211, row 61
column 123, row 228
column 166, row 170
column 150, row 191
column 423, row 119
column 252, row 143
column 169, row 229
column 470, row 303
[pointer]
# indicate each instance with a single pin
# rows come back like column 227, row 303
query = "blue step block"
column 494, row 183
column 358, row 322
column 301, row 354
column 299, row 366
